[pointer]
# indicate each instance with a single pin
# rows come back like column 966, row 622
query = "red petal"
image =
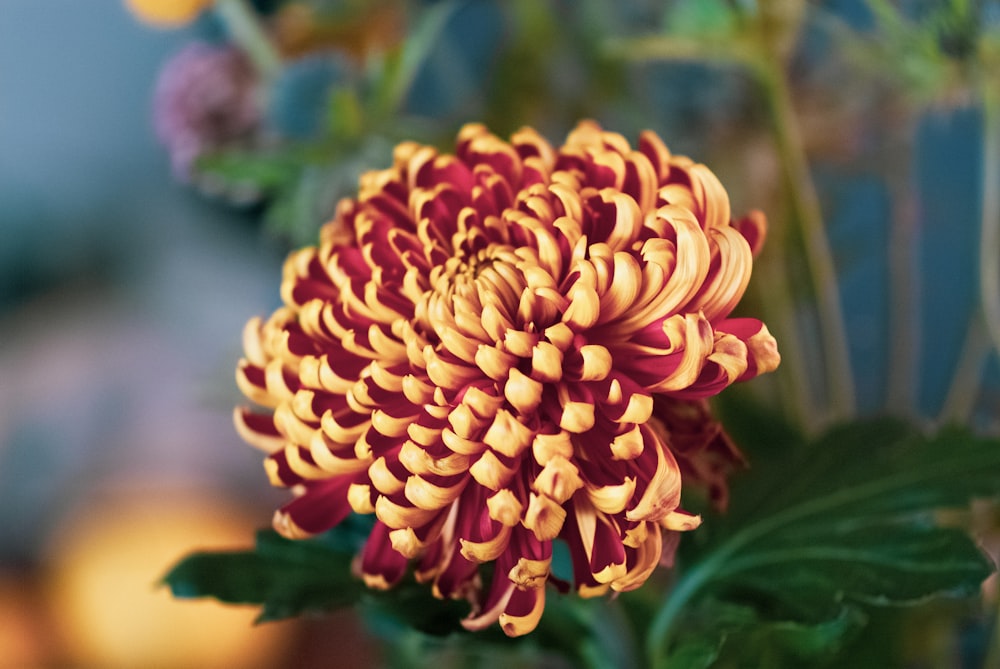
column 381, row 566
column 322, row 506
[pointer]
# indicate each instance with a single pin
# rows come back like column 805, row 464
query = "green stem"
column 807, row 213
column 245, row 29
column 419, row 44
column 779, row 312
column 984, row 326
column 993, row 650
column 677, row 48
column 772, row 281
column 904, row 323
column 964, row 388
column 989, row 247
column 661, row 627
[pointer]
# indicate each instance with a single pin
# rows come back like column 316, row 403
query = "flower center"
column 482, row 295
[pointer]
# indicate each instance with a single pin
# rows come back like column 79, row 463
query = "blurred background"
column 159, row 159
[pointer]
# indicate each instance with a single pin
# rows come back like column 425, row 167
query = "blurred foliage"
column 819, row 532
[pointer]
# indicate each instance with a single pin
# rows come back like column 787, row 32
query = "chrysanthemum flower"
column 490, row 352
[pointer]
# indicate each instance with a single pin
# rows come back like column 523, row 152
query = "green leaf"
column 263, row 171
column 699, row 653
column 843, row 521
column 586, row 633
column 889, row 564
column 301, row 207
column 734, row 635
column 345, row 116
column 799, row 641
column 399, row 72
column 869, row 469
column 701, row 19
column 411, row 605
column 288, row 578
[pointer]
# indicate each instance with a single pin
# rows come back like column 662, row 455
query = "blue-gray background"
column 122, row 293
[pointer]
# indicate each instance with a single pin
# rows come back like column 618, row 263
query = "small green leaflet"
column 403, row 66
column 288, row 578
column 708, row 18
column 819, row 530
column 292, row 578
column 733, row 635
column 262, row 171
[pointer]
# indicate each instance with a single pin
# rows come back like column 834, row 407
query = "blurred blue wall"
column 122, row 293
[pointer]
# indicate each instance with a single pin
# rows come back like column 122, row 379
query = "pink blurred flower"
column 206, row 98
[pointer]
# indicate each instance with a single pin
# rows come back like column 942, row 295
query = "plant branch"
column 904, row 322
column 807, row 213
column 964, row 388
column 993, row 650
column 680, row 49
column 779, row 312
column 989, row 243
column 243, row 26
column 984, row 325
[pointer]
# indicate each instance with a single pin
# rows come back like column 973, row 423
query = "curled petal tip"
column 680, row 521
column 764, row 351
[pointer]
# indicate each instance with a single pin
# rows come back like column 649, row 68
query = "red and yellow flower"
column 492, row 350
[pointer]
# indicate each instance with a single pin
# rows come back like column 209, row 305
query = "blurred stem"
column 904, row 323
column 680, row 49
column 993, row 650
column 964, row 387
column 779, row 312
column 421, row 39
column 765, row 65
column 807, row 213
column 661, row 627
column 984, row 328
column 989, row 247
column 773, row 283
column 244, row 27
